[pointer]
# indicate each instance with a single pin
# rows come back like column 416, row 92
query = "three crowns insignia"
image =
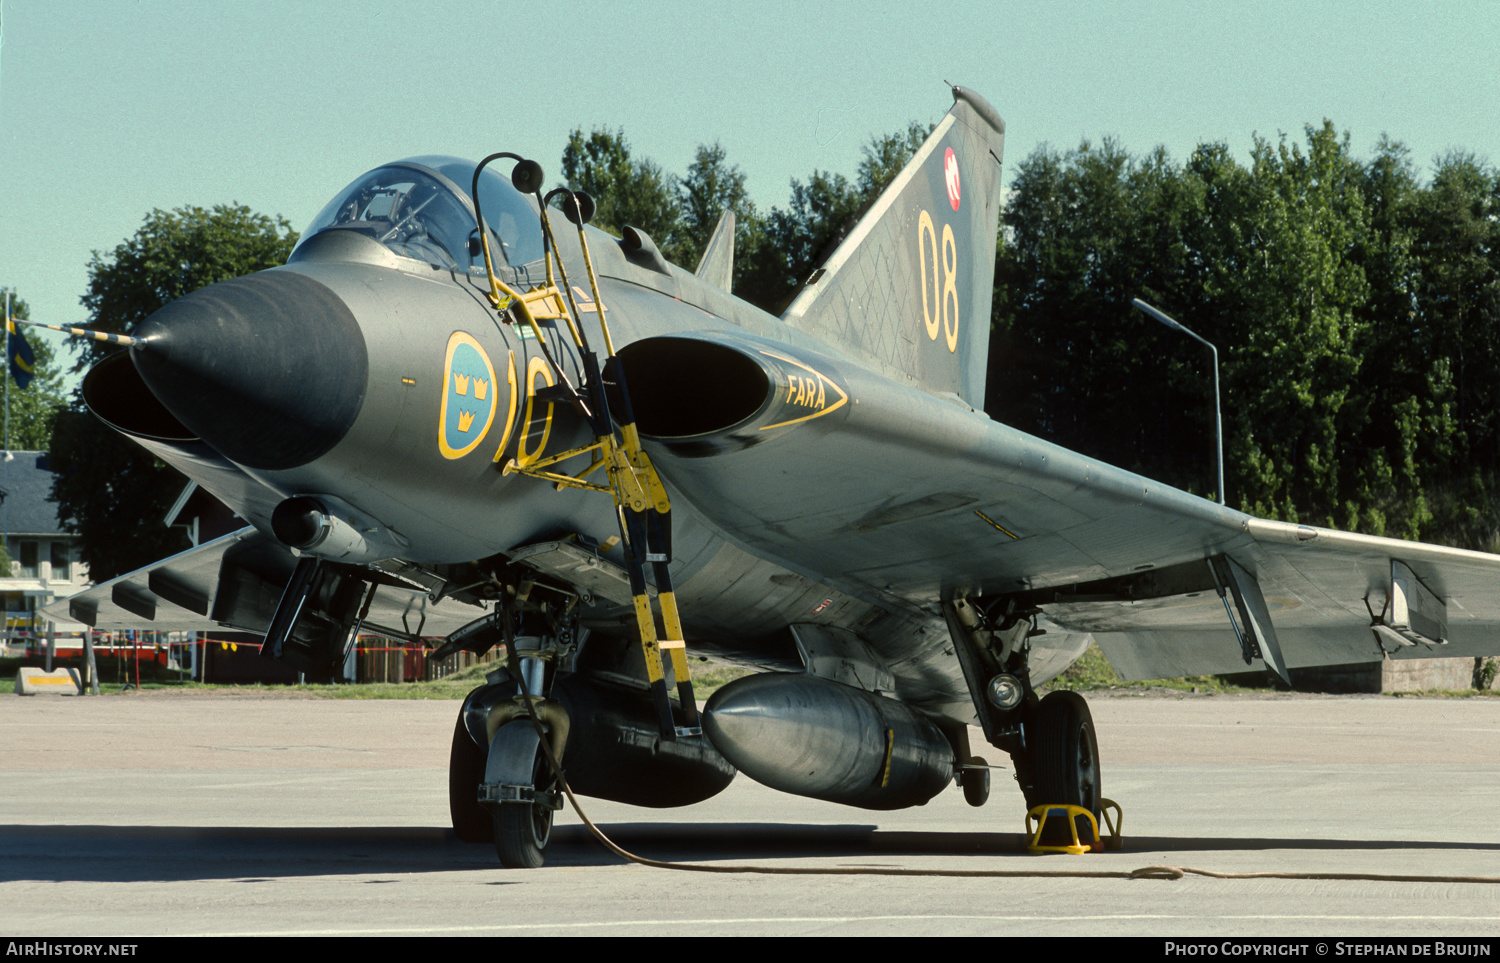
column 481, row 388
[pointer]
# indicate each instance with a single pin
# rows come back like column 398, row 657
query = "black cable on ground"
column 1144, row 872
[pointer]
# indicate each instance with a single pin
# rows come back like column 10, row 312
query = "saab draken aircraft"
column 459, row 414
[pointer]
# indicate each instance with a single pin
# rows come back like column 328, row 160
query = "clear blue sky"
column 110, row 108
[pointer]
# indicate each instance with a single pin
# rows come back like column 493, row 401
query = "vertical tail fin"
column 910, row 287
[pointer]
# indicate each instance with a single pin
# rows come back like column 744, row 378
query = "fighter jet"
column 459, row 413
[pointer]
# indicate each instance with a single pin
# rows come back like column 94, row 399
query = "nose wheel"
column 521, row 792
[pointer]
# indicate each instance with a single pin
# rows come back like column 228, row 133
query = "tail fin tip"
column 982, row 107
column 909, row 289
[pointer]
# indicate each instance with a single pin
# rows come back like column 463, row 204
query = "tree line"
column 1355, row 306
column 775, row 250
column 1354, row 303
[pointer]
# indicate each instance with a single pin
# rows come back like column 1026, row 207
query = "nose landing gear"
column 521, row 791
column 502, row 788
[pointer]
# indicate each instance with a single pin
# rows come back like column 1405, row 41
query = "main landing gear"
column 1064, row 753
column 1064, row 758
column 1050, row 740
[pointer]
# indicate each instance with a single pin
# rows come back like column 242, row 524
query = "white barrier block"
column 56, row 682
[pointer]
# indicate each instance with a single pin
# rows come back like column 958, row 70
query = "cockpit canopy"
column 420, row 208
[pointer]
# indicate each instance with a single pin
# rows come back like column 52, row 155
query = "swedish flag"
column 22, row 361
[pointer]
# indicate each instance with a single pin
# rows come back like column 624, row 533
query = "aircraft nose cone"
column 269, row 369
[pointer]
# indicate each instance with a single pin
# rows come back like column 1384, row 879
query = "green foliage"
column 109, row 491
column 1085, row 232
column 1355, row 311
column 1093, row 673
column 175, row 253
column 774, row 253
column 711, row 187
column 626, row 191
column 885, row 155
column 1291, row 326
column 800, row 237
column 33, row 408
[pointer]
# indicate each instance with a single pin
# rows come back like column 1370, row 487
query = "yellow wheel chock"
column 1070, row 816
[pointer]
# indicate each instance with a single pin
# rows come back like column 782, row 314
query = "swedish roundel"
column 468, row 397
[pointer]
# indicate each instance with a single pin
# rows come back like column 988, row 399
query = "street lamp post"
column 1149, row 311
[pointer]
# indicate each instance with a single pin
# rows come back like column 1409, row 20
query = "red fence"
column 235, row 657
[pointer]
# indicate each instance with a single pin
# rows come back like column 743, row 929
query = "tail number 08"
column 939, row 280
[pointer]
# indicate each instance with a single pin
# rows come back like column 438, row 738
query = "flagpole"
column 7, row 380
column 4, row 503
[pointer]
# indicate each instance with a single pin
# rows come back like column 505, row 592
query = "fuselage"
column 381, row 376
column 807, row 484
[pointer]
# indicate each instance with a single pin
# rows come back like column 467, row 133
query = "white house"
column 44, row 558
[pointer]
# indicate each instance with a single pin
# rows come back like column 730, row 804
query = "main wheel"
column 522, row 830
column 1065, row 755
column 471, row 822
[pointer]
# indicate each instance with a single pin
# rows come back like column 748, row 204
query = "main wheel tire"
column 471, row 821
column 523, row 831
column 1065, row 754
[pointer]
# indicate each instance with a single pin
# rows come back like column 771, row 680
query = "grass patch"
column 1093, row 673
column 707, row 677
column 1447, row 694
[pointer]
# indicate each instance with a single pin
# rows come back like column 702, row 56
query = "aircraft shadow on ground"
column 251, row 854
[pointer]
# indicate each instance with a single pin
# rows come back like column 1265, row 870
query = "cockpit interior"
column 421, row 209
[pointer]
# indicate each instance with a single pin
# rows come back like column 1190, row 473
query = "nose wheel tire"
column 1065, row 754
column 521, row 829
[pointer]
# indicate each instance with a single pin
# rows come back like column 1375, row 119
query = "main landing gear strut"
column 1050, row 740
